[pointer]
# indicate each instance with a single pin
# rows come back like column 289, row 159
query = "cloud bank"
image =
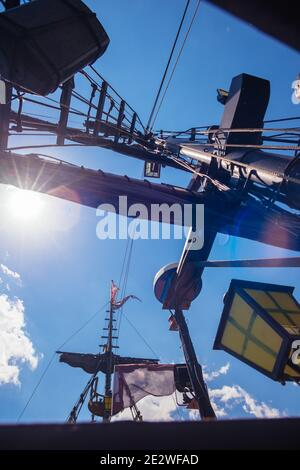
column 16, row 347
column 234, row 396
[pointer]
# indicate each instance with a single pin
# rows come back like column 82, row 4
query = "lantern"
column 45, row 42
column 260, row 325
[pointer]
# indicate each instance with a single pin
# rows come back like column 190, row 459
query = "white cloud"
column 16, row 347
column 235, row 395
column 219, row 411
column 154, row 409
column 209, row 376
column 8, row 272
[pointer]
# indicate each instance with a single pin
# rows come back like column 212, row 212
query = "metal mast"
column 108, row 347
column 194, row 369
column 92, row 384
column 99, row 404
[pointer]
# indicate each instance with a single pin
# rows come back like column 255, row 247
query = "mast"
column 100, row 405
column 109, row 352
column 109, row 359
column 194, row 369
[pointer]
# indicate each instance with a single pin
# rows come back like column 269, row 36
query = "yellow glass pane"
column 295, row 317
column 240, row 311
column 293, row 330
column 285, row 322
column 233, row 339
column 281, row 319
column 265, row 334
column 291, row 372
column 259, row 357
column 285, row 301
column 261, row 298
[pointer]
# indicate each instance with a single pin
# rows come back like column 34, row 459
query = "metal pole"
column 194, row 369
column 4, row 117
column 6, row 108
column 100, row 108
column 65, row 101
column 109, row 351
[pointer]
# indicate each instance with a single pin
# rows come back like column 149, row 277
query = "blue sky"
column 65, row 270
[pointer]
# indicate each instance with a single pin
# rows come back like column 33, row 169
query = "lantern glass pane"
column 266, row 335
column 262, row 298
column 281, row 306
column 287, row 313
column 290, row 328
column 295, row 318
column 284, row 320
column 290, row 372
column 241, row 312
column 250, row 336
column 285, row 301
column 233, row 339
column 259, row 356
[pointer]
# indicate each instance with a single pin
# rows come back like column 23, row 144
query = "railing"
column 89, row 105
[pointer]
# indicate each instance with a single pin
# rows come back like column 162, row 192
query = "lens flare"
column 25, row 205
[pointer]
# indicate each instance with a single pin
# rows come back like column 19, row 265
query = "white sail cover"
column 134, row 382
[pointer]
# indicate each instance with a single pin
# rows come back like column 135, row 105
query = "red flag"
column 113, row 292
column 120, row 303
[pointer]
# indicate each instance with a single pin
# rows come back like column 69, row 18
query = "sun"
column 25, row 205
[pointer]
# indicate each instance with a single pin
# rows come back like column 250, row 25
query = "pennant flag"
column 116, row 304
column 120, row 303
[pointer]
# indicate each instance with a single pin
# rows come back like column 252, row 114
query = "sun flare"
column 25, row 205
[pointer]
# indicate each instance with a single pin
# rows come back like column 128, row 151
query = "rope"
column 248, row 130
column 283, row 119
column 141, row 336
column 177, row 60
column 168, row 63
column 123, row 290
column 207, row 130
column 72, row 417
column 125, row 273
